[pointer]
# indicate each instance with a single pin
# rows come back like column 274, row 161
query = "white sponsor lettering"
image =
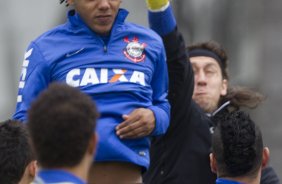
column 70, row 77
column 92, row 76
column 21, row 84
column 23, row 73
column 89, row 77
column 24, row 69
column 19, row 98
column 104, row 75
column 138, row 77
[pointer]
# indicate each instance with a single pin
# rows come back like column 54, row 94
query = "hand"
column 139, row 123
column 156, row 4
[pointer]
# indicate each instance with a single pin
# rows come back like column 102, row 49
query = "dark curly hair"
column 61, row 122
column 15, row 151
column 237, row 145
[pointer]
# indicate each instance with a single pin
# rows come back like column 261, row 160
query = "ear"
column 265, row 157
column 29, row 173
column 32, row 168
column 213, row 163
column 224, row 87
column 93, row 144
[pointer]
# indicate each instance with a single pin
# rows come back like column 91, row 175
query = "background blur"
column 251, row 32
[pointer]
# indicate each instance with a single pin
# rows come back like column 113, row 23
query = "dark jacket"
column 182, row 154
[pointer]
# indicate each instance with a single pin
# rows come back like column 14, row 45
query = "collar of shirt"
column 75, row 20
column 226, row 181
column 57, row 177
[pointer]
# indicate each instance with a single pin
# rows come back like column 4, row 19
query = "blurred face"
column 209, row 84
column 99, row 15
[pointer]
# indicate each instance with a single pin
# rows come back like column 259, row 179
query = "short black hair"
column 15, row 151
column 237, row 145
column 61, row 122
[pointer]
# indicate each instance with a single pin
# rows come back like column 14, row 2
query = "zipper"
column 105, row 48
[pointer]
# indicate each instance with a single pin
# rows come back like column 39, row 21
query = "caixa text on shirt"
column 92, row 76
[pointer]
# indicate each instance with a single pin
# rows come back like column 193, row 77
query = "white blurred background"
column 251, row 32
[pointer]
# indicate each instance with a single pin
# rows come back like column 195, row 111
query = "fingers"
column 133, row 130
column 140, row 123
column 127, row 121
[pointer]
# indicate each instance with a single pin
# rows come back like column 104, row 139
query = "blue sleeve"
column 34, row 78
column 163, row 22
column 159, row 84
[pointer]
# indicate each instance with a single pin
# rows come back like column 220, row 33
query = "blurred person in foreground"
column 17, row 163
column 238, row 154
column 170, row 162
column 121, row 65
column 62, row 122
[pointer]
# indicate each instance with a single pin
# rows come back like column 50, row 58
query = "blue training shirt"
column 128, row 72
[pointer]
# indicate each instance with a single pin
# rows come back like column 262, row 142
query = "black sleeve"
column 268, row 176
column 181, row 77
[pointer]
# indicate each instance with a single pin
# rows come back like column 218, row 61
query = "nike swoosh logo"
column 74, row 53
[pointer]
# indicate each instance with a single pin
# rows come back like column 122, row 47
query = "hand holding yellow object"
column 156, row 4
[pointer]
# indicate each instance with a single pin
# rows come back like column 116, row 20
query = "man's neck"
column 245, row 180
column 26, row 179
column 81, row 170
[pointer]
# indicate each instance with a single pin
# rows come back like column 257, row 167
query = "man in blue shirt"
column 122, row 66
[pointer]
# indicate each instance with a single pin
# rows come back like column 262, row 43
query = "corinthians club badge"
column 134, row 50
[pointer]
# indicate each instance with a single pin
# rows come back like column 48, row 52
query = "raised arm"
column 181, row 78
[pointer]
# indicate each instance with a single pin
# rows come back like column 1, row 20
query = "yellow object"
column 156, row 4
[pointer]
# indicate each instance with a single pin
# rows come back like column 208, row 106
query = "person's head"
column 99, row 15
column 237, row 147
column 211, row 86
column 209, row 62
column 61, row 122
column 17, row 165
